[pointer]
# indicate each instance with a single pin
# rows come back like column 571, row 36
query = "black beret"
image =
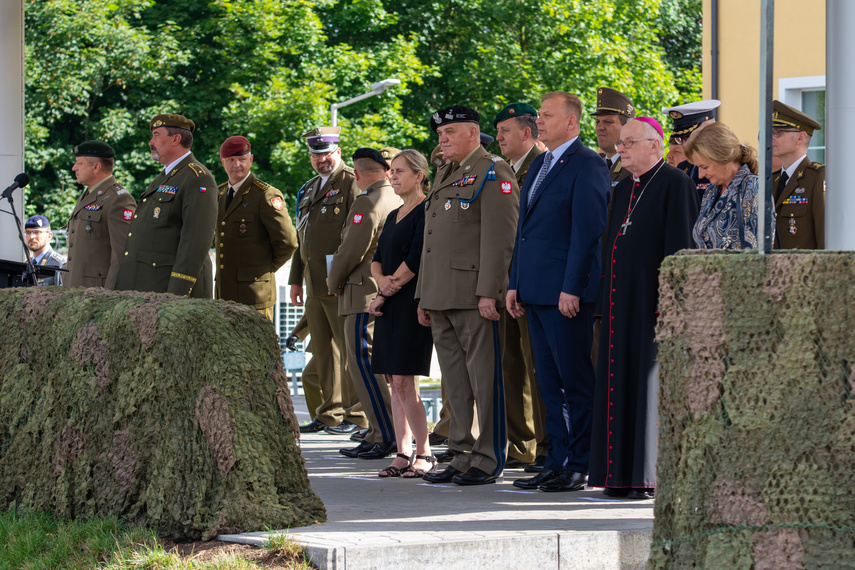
column 94, row 148
column 177, row 121
column 372, row 154
column 453, row 114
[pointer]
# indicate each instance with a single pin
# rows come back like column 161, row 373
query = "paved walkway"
column 385, row 523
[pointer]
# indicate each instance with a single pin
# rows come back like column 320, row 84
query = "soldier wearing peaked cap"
column 255, row 236
column 470, row 223
column 173, row 227
column 799, row 187
column 322, row 211
column 614, row 109
column 98, row 226
column 687, row 119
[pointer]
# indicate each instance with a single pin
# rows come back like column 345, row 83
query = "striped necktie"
column 547, row 160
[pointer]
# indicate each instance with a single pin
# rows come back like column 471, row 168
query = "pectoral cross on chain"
column 625, row 226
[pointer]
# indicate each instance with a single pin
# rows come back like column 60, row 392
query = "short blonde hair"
column 572, row 103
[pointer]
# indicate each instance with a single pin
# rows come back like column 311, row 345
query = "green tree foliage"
column 269, row 69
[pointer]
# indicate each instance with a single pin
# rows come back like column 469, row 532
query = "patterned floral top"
column 729, row 220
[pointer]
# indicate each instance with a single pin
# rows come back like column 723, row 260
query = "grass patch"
column 32, row 540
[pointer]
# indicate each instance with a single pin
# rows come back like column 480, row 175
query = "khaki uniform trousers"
column 371, row 389
column 525, row 412
column 327, row 329
column 469, row 348
column 312, row 388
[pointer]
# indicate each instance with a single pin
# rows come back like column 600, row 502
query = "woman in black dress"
column 402, row 347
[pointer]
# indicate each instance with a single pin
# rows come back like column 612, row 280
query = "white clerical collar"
column 791, row 169
column 515, row 166
column 174, row 163
column 638, row 178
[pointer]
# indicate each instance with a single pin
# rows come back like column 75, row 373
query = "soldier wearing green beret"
column 799, row 187
column 255, row 236
column 173, row 227
column 98, row 226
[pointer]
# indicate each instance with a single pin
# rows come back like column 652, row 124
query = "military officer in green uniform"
column 173, row 227
column 351, row 280
column 98, row 226
column 255, row 236
column 799, row 187
column 516, row 127
column 470, row 226
column 614, row 109
column 322, row 210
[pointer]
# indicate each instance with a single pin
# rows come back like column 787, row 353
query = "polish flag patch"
column 276, row 203
column 357, row 219
column 127, row 214
column 506, row 187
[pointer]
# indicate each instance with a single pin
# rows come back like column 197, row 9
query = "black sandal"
column 417, row 472
column 393, row 471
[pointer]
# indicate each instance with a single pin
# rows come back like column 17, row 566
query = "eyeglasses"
column 34, row 233
column 627, row 143
column 779, row 132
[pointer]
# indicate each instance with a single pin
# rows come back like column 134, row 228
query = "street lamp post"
column 376, row 89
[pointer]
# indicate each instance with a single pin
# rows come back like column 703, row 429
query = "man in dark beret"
column 799, row 187
column 173, row 227
column 98, row 226
column 255, row 234
column 322, row 207
column 38, row 237
column 470, row 221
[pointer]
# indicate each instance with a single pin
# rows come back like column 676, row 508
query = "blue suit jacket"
column 558, row 234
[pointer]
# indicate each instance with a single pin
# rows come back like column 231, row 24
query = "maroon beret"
column 234, row 146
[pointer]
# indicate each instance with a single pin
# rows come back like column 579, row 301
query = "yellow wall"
column 799, row 51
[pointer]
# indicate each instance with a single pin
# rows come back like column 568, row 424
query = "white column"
column 839, row 116
column 11, row 121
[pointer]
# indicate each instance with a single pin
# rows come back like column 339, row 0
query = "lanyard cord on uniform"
column 491, row 175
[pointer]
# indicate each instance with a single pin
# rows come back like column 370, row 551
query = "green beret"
column 514, row 110
column 94, row 148
column 176, row 121
column 784, row 116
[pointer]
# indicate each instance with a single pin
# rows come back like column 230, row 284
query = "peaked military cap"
column 94, row 148
column 689, row 117
column 436, row 157
column 322, row 140
column 613, row 102
column 235, row 146
column 514, row 110
column 175, row 121
column 389, row 152
column 454, row 114
column 37, row 222
column 374, row 155
column 785, row 116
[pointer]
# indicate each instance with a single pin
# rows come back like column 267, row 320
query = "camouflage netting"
column 757, row 427
column 171, row 412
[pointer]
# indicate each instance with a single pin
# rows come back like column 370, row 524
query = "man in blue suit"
column 555, row 273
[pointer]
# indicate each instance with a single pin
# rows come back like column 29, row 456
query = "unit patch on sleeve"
column 276, row 202
column 357, row 219
column 506, row 187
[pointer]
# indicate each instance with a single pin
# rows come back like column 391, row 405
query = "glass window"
column 813, row 103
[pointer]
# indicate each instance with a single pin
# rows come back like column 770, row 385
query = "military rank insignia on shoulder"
column 495, row 158
column 197, row 169
column 816, row 165
column 263, row 185
column 121, row 191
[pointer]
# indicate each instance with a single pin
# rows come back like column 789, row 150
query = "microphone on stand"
column 20, row 181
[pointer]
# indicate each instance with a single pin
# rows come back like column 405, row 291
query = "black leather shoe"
column 436, row 439
column 537, row 465
column 355, row 451
column 344, row 428
column 566, row 481
column 359, row 434
column 444, row 476
column 544, row 476
column 615, row 492
column 641, row 494
column 313, row 426
column 379, row 450
column 512, row 463
column 444, row 456
column 473, row 477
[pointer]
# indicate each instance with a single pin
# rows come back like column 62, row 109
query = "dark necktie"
column 609, row 164
column 229, row 197
column 782, row 183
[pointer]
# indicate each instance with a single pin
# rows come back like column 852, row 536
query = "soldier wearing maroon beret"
column 255, row 236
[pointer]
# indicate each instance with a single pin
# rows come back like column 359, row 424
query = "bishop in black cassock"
column 654, row 212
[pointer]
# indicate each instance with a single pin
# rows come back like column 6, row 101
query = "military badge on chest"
column 792, row 229
column 465, row 181
column 156, row 213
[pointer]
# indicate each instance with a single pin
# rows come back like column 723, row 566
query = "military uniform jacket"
column 523, row 169
column 470, row 227
column 255, row 237
column 350, row 272
column 171, row 232
column 97, row 232
column 321, row 216
column 800, row 209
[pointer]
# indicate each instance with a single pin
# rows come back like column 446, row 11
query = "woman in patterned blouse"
column 728, row 218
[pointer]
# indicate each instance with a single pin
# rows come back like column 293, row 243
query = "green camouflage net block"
column 170, row 412
column 757, row 427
